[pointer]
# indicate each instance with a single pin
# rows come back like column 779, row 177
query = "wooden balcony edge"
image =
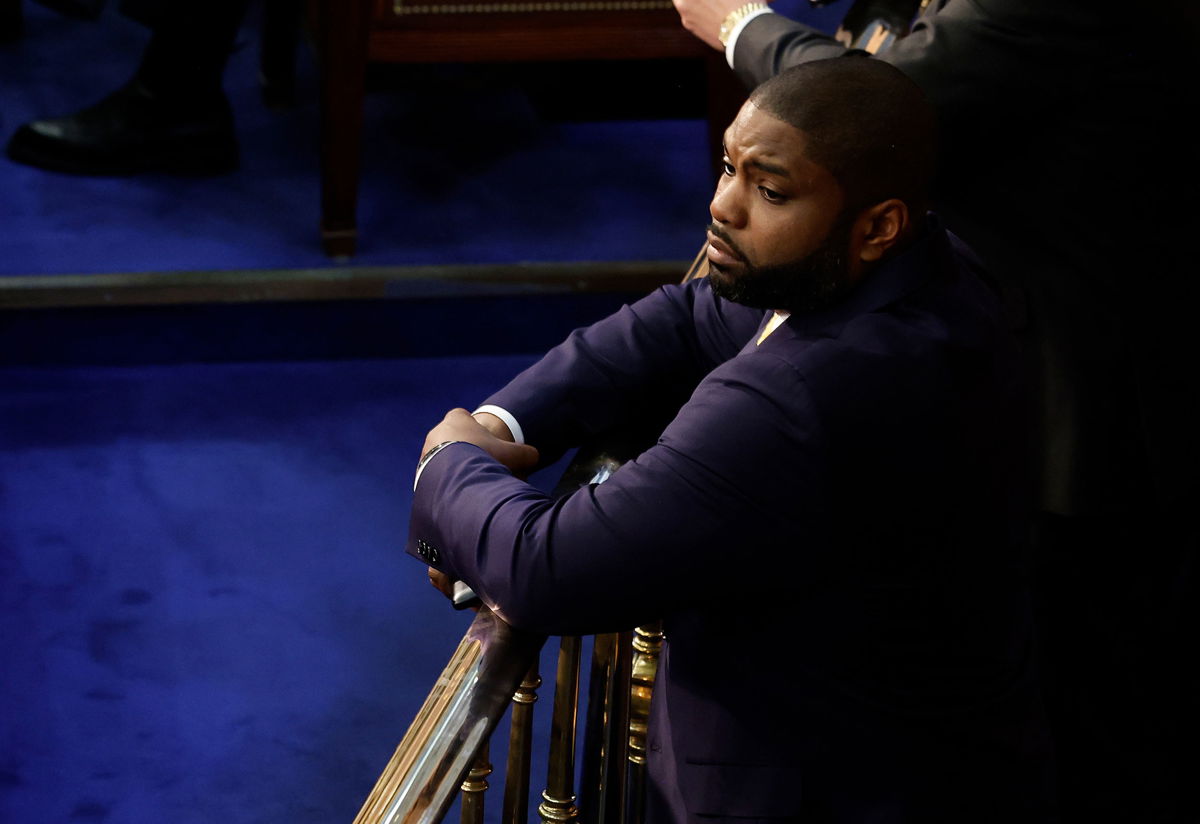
column 334, row 283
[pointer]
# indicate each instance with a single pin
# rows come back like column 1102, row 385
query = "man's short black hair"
column 865, row 121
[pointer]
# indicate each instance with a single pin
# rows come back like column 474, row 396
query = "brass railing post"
column 647, row 644
column 474, row 787
column 422, row 778
column 603, row 779
column 444, row 753
column 520, row 748
column 558, row 799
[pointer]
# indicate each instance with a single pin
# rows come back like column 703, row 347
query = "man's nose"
column 726, row 207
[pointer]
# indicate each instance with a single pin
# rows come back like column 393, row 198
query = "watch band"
column 734, row 17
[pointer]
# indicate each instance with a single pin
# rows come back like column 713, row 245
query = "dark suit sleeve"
column 961, row 52
column 673, row 528
column 771, row 43
column 641, row 362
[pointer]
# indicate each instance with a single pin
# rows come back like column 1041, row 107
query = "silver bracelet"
column 433, row 450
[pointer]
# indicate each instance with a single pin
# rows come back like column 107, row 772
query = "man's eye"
column 771, row 196
column 727, row 168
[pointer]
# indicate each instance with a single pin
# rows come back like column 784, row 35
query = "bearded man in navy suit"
column 838, row 485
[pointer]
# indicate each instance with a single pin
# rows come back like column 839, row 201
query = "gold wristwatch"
column 734, row 17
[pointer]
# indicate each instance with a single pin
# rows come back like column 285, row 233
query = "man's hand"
column 494, row 425
column 442, row 582
column 487, row 431
column 703, row 18
column 492, row 436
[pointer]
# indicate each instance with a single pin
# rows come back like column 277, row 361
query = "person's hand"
column 703, row 18
column 493, row 424
column 459, row 425
column 444, row 584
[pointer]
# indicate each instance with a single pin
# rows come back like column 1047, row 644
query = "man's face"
column 778, row 239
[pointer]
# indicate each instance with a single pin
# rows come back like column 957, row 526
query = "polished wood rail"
column 453, row 726
column 445, row 753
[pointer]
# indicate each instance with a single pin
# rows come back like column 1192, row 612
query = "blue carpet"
column 207, row 612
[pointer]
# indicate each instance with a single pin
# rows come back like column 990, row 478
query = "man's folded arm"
column 644, row 360
column 665, row 531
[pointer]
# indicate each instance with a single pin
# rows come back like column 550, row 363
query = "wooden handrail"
column 494, row 665
column 423, row 777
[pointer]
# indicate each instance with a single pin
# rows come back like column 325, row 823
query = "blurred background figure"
column 172, row 115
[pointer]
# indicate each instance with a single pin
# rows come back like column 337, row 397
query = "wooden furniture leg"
column 348, row 32
column 341, row 32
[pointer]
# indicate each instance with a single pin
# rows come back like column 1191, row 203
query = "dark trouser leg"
column 190, row 42
column 172, row 117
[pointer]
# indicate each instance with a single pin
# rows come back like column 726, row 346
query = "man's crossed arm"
column 493, row 436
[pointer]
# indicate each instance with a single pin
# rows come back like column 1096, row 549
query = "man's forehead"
column 763, row 137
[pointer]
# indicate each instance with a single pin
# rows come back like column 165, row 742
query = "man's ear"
column 878, row 228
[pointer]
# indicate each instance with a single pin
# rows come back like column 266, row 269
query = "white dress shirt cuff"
column 509, row 420
column 737, row 30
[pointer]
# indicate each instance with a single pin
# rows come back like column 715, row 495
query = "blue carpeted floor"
column 206, row 615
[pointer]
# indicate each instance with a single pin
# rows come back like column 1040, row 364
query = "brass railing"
column 444, row 755
column 453, row 726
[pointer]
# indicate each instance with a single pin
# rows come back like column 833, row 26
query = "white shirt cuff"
column 509, row 420
column 737, row 30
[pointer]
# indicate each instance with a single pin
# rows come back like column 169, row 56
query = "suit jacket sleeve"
column 662, row 534
column 639, row 364
column 961, row 52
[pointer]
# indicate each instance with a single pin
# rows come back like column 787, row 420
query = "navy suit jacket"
column 828, row 527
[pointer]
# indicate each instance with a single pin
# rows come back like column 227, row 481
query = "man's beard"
column 814, row 282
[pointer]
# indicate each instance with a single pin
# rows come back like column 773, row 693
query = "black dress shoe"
column 131, row 131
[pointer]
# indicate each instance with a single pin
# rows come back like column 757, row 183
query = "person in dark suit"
column 172, row 116
column 838, row 485
column 1065, row 168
